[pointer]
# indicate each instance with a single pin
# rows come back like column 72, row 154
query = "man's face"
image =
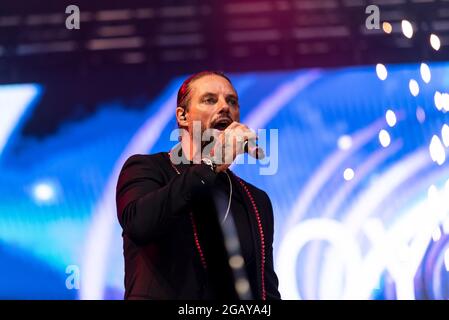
column 213, row 102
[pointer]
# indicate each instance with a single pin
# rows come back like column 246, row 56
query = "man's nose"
column 223, row 106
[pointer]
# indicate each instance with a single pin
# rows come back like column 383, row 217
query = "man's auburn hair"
column 183, row 99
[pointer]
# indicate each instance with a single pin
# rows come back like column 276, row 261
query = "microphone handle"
column 254, row 151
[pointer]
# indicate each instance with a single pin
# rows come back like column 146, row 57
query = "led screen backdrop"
column 357, row 175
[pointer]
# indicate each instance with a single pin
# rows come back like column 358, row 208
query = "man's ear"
column 181, row 117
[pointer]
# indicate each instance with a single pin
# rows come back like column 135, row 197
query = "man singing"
column 172, row 246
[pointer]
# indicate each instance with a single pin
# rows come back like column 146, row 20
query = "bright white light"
column 435, row 42
column 414, row 87
column 420, row 114
column 390, row 116
column 407, row 28
column 445, row 134
column 43, row 192
column 384, row 138
column 446, row 188
column 438, row 99
column 436, row 234
column 318, row 229
column 425, row 72
column 436, row 150
column 348, row 174
column 446, row 196
column 435, row 204
column 446, row 226
column 446, row 259
column 432, row 193
column 381, row 71
column 445, row 101
column 14, row 102
column 344, row 142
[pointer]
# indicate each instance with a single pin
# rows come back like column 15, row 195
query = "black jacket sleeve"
column 271, row 279
column 145, row 204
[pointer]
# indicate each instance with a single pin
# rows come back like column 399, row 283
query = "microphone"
column 253, row 150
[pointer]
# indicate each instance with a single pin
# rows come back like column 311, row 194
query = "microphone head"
column 260, row 154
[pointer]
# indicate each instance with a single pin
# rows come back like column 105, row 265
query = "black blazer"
column 160, row 237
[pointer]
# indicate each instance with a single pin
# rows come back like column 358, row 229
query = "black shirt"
column 240, row 219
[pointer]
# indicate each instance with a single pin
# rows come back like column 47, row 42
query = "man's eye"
column 209, row 100
column 232, row 102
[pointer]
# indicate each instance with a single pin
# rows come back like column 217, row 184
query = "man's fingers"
column 231, row 141
column 241, row 135
column 233, row 125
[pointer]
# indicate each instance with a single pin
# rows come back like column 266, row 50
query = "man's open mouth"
column 222, row 124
